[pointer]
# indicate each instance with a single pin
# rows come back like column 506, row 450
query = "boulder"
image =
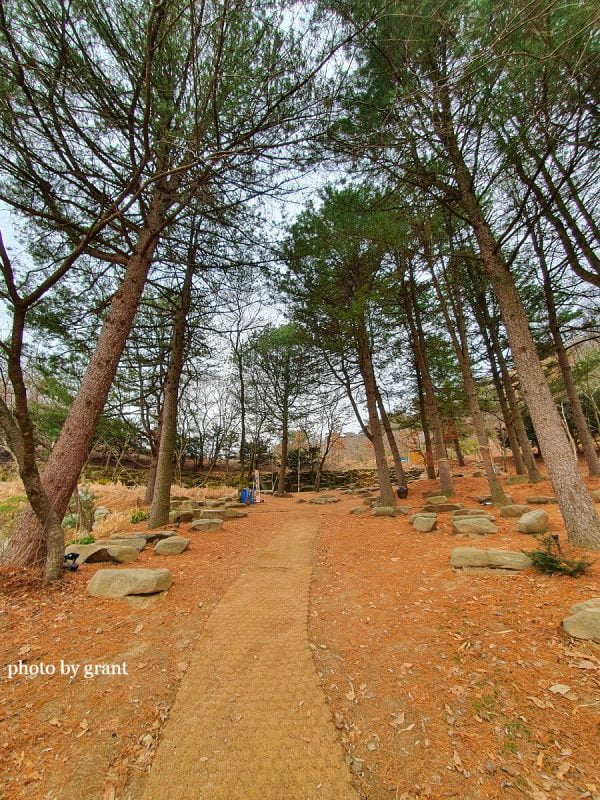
column 404, row 510
column 475, row 559
column 442, row 507
column 358, row 509
column 207, row 525
column 480, row 526
column 323, row 501
column 436, row 499
column 94, row 553
column 585, row 605
column 175, row 517
column 172, row 546
column 139, row 542
column 384, row 511
column 533, row 522
column 422, row 514
column 513, row 510
column 100, row 513
column 471, row 513
column 235, row 505
column 539, row 499
column 123, row 582
column 584, row 624
column 219, row 513
column 154, row 536
column 424, row 524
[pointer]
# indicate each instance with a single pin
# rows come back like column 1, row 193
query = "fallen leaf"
column 55, row 722
column 560, row 688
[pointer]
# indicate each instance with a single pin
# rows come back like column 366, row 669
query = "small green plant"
column 550, row 561
column 139, row 515
column 514, row 730
column 87, row 539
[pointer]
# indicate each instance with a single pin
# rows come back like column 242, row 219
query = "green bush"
column 139, row 515
column 550, row 561
column 88, row 539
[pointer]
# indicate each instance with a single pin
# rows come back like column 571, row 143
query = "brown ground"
column 439, row 683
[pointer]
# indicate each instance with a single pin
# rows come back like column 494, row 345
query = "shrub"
column 139, row 515
column 550, row 561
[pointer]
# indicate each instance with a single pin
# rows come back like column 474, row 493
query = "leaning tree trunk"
column 583, row 431
column 365, row 364
column 575, row 503
column 27, row 546
column 161, row 500
column 385, row 421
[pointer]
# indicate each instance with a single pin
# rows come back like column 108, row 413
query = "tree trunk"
column 583, row 431
column 432, row 412
column 161, row 500
column 575, row 503
column 69, row 454
column 284, row 456
column 151, row 479
column 385, row 421
column 457, row 330
column 429, row 460
column 365, row 363
column 459, row 453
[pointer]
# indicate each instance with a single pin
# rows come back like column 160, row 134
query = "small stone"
column 424, row 524
column 123, row 582
column 172, row 546
column 585, row 605
column 513, row 510
column 584, row 624
column 533, row 522
column 442, row 507
column 476, row 525
column 207, row 525
column 535, row 499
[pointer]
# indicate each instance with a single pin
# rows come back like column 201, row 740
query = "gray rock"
column 436, row 499
column 100, row 513
column 584, row 624
column 422, row 514
column 175, row 517
column 220, row 513
column 539, row 499
column 94, row 553
column 139, row 542
column 481, row 526
column 442, row 507
column 235, row 505
column 475, row 559
column 513, row 510
column 172, row 546
column 424, row 524
column 154, row 536
column 533, row 522
column 585, row 605
column 385, row 511
column 358, row 509
column 207, row 525
column 404, row 510
column 123, row 582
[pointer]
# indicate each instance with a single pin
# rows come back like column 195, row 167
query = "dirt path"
column 250, row 719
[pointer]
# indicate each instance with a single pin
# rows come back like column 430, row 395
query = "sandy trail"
column 250, row 719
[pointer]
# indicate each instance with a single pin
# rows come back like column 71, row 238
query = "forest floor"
column 440, row 685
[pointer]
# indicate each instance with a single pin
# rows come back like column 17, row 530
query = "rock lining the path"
column 585, row 605
column 128, row 541
column 477, row 560
column 441, row 507
column 424, row 524
column 94, row 553
column 539, row 499
column 480, row 526
column 172, row 546
column 514, row 510
column 533, row 522
column 207, row 525
column 124, row 582
column 585, row 624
